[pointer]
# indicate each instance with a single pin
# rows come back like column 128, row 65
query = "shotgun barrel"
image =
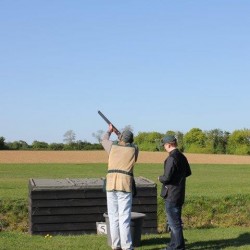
column 109, row 122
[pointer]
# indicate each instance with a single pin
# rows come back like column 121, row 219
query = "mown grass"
column 196, row 239
column 206, row 180
column 218, row 197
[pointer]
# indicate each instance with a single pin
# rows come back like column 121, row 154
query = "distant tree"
column 216, row 141
column 72, row 146
column 239, row 142
column 170, row 132
column 195, row 141
column 69, row 137
column 98, row 135
column 24, row 144
column 82, row 145
column 147, row 137
column 2, row 144
column 94, row 146
column 140, row 138
column 148, row 141
column 40, row 145
column 17, row 145
column 179, row 136
column 56, row 146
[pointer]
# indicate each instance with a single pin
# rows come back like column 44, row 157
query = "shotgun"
column 118, row 133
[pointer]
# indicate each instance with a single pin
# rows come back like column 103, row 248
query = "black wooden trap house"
column 74, row 206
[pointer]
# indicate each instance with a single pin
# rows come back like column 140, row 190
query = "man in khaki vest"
column 122, row 157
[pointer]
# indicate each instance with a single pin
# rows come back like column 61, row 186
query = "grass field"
column 197, row 239
column 217, row 183
column 208, row 180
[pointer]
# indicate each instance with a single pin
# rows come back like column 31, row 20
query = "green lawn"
column 207, row 180
column 198, row 239
column 212, row 182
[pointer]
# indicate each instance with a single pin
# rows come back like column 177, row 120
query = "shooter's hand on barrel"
column 111, row 128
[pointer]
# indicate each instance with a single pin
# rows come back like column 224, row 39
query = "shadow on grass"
column 242, row 240
column 157, row 241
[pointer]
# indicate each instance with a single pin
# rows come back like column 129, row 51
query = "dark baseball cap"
column 168, row 139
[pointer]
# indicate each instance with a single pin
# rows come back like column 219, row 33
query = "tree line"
column 196, row 140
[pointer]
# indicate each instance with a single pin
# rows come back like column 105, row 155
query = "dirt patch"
column 159, row 157
column 101, row 157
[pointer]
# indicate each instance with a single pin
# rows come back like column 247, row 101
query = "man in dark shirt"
column 176, row 169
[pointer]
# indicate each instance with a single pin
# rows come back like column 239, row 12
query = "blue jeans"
column 175, row 224
column 119, row 212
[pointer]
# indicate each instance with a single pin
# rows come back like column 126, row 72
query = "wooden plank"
column 64, row 227
column 63, row 184
column 38, row 184
column 95, row 193
column 69, row 203
column 146, row 192
column 145, row 201
column 79, row 213
column 141, row 208
column 67, row 194
column 149, row 223
column 69, row 232
column 86, row 202
column 81, row 232
column 87, row 210
column 68, row 210
column 67, row 218
column 64, row 194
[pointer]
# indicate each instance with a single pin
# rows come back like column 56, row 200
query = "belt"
column 120, row 171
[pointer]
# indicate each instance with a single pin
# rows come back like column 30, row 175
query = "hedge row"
column 198, row 212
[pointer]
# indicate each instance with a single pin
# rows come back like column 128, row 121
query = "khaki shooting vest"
column 122, row 159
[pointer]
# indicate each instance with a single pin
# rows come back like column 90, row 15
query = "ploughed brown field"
column 101, row 157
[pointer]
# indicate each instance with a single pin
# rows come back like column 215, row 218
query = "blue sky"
column 154, row 65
